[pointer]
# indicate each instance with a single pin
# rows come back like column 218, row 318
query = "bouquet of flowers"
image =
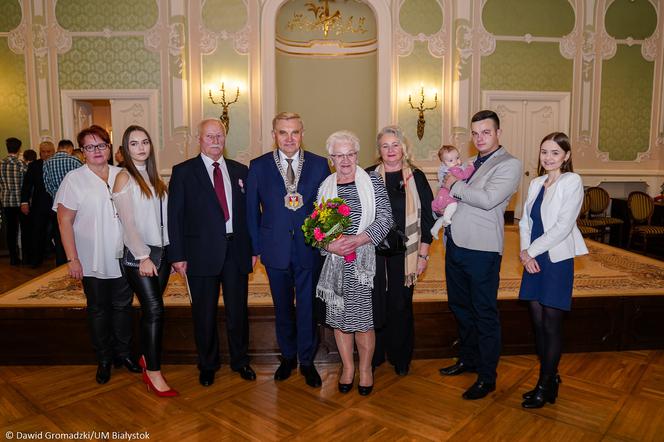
column 326, row 223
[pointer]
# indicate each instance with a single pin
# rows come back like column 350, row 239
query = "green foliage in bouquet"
column 327, row 222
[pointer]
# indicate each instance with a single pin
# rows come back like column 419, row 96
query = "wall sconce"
column 225, row 120
column 421, row 108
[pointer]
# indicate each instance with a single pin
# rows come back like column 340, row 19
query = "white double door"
column 525, row 118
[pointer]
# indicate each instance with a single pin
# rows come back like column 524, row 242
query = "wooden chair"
column 641, row 207
column 597, row 212
column 587, row 231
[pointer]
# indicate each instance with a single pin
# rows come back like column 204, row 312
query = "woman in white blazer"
column 549, row 242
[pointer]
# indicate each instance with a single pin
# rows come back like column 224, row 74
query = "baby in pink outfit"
column 444, row 203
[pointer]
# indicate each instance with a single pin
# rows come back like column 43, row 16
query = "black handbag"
column 393, row 244
column 156, row 252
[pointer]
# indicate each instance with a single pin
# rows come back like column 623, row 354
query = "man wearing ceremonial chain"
column 281, row 189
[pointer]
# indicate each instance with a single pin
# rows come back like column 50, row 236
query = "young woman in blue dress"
column 550, row 240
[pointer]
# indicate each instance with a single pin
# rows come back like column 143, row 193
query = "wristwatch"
column 424, row 257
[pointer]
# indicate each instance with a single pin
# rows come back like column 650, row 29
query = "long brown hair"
column 151, row 166
column 562, row 140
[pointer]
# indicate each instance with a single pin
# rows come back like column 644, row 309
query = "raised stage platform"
column 618, row 305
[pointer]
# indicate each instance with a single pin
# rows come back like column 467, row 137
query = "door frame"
column 564, row 100
column 69, row 96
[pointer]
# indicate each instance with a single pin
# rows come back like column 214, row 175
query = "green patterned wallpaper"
column 13, row 98
column 624, row 115
column 420, row 68
column 550, row 18
column 109, row 63
column 226, row 64
column 631, row 18
column 331, row 94
column 10, row 17
column 526, row 67
column 421, row 16
column 232, row 19
column 117, row 15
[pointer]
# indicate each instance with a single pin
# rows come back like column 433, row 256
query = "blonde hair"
column 287, row 116
column 398, row 133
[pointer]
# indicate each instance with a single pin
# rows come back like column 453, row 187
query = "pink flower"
column 344, row 210
column 314, row 214
column 318, row 234
column 350, row 257
column 240, row 183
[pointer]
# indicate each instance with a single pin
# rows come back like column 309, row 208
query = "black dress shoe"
column 311, row 376
column 103, row 372
column 206, row 378
column 247, row 373
column 545, row 391
column 456, row 369
column 284, row 371
column 364, row 391
column 401, row 370
column 345, row 388
column 128, row 363
column 478, row 390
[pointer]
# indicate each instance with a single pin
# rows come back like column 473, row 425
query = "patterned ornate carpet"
column 606, row 271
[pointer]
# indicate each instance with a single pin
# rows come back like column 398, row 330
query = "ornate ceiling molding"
column 209, row 39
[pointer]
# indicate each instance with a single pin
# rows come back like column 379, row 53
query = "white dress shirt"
column 295, row 163
column 227, row 185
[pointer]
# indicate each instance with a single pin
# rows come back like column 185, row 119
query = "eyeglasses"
column 345, row 156
column 93, row 147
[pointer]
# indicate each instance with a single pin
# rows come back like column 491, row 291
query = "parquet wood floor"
column 604, row 396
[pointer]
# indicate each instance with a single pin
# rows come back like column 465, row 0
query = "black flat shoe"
column 364, row 391
column 545, row 391
column 103, row 372
column 345, row 388
column 456, row 369
column 285, row 368
column 247, row 373
column 478, row 390
column 128, row 363
column 311, row 376
column 206, row 377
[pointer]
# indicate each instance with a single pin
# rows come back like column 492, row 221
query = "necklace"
column 292, row 200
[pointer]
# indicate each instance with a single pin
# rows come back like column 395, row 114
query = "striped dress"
column 357, row 315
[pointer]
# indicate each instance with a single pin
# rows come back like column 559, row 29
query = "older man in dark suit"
column 210, row 245
column 281, row 190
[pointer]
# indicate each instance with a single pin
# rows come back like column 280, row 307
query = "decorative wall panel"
column 552, row 18
column 98, row 15
column 10, row 16
column 624, row 114
column 14, row 121
column 109, row 63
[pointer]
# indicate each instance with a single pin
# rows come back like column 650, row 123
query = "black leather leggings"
column 150, row 290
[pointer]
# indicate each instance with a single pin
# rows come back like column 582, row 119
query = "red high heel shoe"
column 150, row 386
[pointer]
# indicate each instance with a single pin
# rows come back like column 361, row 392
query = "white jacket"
column 560, row 209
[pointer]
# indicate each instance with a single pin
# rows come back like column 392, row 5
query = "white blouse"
column 97, row 229
column 141, row 217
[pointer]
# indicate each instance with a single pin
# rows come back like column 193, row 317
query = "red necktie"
column 220, row 190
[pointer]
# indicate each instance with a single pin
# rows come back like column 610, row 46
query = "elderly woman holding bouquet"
column 346, row 280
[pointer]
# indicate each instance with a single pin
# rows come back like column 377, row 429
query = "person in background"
column 550, row 240
column 55, row 169
column 281, row 189
column 78, row 153
column 119, row 157
column 36, row 205
column 29, row 156
column 210, row 245
column 141, row 199
column 397, row 269
column 91, row 235
column 346, row 285
column 12, row 171
column 475, row 242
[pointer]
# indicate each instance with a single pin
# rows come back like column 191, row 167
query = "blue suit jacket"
column 196, row 225
column 273, row 228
